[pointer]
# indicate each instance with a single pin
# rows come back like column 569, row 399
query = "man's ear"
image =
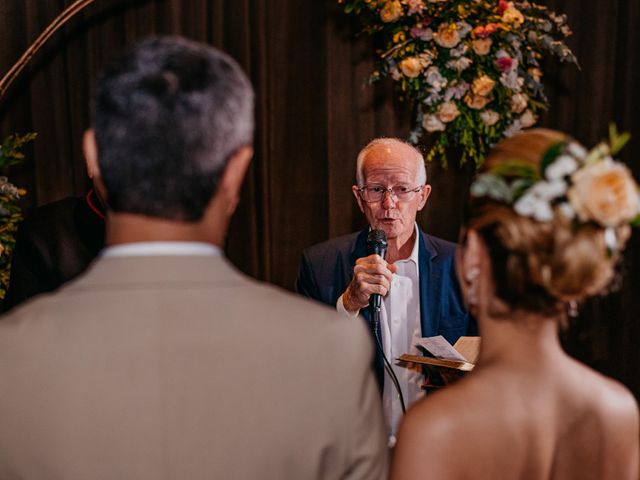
column 233, row 175
column 356, row 193
column 90, row 150
column 424, row 196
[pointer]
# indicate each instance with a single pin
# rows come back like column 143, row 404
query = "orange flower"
column 391, row 12
column 604, row 192
column 447, row 35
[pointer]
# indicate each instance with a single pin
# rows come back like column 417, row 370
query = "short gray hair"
column 390, row 141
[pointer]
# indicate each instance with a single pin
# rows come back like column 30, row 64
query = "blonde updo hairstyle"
column 539, row 266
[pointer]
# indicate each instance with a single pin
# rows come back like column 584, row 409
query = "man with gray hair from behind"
column 416, row 280
column 162, row 361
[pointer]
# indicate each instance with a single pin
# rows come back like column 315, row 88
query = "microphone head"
column 377, row 242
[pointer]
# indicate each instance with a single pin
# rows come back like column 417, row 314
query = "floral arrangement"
column 10, row 212
column 470, row 68
column 585, row 186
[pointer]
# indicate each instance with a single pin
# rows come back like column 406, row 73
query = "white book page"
column 440, row 348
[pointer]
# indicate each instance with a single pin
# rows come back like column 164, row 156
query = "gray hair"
column 389, row 142
column 169, row 114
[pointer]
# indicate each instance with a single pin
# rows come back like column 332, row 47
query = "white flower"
column 519, row 102
column 431, row 123
column 561, row 167
column 459, row 50
column 549, row 190
column 529, row 205
column 489, row 117
column 463, row 28
column 577, row 150
column 611, row 239
column 512, row 129
column 512, row 80
column 459, row 64
column 456, row 90
column 528, row 119
column 395, row 74
column 435, row 78
column 567, row 210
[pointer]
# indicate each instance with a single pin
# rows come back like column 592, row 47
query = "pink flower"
column 424, row 34
column 504, row 63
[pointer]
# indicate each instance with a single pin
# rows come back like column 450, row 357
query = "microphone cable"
column 387, row 364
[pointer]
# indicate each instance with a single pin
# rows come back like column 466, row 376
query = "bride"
column 546, row 223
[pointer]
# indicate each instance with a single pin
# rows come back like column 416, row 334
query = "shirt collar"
column 414, row 252
column 148, row 249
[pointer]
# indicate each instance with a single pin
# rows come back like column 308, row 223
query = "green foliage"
column 10, row 212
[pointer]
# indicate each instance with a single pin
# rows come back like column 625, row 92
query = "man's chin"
column 390, row 227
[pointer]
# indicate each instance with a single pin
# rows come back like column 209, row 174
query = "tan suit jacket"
column 183, row 368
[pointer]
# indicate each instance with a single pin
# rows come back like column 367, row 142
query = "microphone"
column 376, row 244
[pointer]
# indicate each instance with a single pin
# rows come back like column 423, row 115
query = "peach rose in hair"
column 604, row 192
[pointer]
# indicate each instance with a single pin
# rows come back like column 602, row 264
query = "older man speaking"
column 416, row 279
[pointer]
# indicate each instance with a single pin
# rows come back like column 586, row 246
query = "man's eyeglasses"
column 375, row 193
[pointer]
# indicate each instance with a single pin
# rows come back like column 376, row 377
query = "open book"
column 443, row 363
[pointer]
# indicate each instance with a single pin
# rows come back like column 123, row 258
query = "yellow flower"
column 398, row 37
column 605, row 192
column 482, row 85
column 481, row 46
column 477, row 102
column 391, row 11
column 513, row 15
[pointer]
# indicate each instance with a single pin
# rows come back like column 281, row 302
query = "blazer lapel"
column 430, row 287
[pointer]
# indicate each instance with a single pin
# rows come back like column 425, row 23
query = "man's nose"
column 388, row 200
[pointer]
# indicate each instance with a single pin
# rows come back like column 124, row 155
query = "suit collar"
column 150, row 270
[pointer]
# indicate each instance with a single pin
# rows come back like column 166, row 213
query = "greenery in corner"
column 10, row 212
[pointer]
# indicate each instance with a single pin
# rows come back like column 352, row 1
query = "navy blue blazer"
column 327, row 268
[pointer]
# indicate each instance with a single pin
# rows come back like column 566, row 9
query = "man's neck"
column 132, row 228
column 400, row 249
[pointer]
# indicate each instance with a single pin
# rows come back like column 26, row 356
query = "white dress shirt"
column 153, row 249
column 401, row 330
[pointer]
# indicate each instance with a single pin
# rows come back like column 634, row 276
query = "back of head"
column 168, row 116
column 554, row 218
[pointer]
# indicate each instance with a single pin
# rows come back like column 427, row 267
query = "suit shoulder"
column 439, row 245
column 331, row 246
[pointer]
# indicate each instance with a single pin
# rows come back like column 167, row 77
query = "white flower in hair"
column 563, row 166
column 531, row 205
column 576, row 150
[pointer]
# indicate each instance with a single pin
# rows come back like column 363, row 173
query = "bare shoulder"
column 432, row 434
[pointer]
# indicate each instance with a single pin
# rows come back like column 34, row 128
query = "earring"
column 572, row 309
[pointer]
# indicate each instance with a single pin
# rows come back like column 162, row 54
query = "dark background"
column 314, row 112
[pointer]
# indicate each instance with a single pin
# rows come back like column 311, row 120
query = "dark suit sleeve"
column 29, row 270
column 306, row 282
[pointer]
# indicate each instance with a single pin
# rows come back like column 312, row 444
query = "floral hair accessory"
column 584, row 186
column 470, row 69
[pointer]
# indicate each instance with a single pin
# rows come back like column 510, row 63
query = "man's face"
column 392, row 166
